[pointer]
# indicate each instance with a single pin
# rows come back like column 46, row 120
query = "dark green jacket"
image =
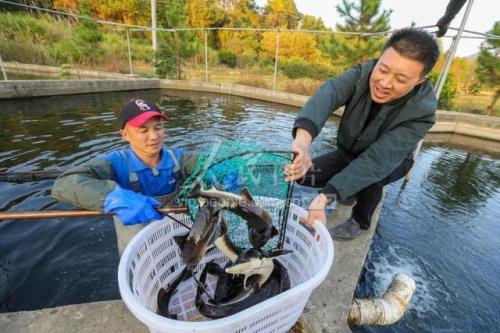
column 387, row 140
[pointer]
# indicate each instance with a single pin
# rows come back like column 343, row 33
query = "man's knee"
column 399, row 172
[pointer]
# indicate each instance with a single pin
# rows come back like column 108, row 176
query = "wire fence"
column 133, row 55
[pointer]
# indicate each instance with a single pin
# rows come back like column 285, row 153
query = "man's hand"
column 317, row 210
column 302, row 161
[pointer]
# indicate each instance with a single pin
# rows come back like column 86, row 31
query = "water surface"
column 442, row 229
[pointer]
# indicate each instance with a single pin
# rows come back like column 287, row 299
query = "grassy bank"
column 475, row 103
column 54, row 41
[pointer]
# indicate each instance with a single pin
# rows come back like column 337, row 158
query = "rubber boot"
column 350, row 229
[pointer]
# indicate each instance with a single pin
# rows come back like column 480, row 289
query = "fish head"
column 260, row 236
column 279, row 253
column 252, row 262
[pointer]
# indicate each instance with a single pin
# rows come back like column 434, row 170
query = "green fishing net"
column 231, row 166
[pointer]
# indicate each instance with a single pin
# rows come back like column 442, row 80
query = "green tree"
column 447, row 93
column 88, row 37
column 174, row 47
column 365, row 16
column 488, row 66
column 281, row 14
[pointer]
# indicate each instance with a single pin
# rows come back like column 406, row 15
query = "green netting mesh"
column 233, row 165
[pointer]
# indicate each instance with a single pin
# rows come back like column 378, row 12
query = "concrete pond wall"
column 478, row 126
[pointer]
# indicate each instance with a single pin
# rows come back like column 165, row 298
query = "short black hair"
column 415, row 44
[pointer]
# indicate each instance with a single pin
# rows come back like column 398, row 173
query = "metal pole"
column 444, row 74
column 3, row 69
column 129, row 53
column 453, row 49
column 206, row 55
column 153, row 25
column 276, row 58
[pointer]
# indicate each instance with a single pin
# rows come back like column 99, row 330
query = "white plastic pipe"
column 386, row 310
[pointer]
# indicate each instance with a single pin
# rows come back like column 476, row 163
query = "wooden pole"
column 32, row 215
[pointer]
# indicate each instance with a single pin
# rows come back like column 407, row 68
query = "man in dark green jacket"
column 389, row 105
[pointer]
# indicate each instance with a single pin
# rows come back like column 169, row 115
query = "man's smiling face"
column 394, row 76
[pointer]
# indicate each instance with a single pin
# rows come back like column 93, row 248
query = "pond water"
column 442, row 229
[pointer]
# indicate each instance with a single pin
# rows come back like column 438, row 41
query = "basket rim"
column 149, row 318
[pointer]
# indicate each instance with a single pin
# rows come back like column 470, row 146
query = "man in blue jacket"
column 389, row 105
column 132, row 182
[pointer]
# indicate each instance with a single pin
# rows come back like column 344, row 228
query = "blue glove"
column 230, row 182
column 131, row 207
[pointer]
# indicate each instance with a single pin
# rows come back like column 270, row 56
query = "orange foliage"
column 292, row 45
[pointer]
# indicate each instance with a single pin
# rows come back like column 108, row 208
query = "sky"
column 482, row 16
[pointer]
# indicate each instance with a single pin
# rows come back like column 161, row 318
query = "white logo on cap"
column 142, row 105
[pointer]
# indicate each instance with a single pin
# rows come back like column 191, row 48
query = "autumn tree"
column 174, row 47
column 488, row 66
column 462, row 70
column 126, row 11
column 292, row 45
column 241, row 14
column 72, row 6
column 363, row 16
column 281, row 14
column 310, row 22
column 206, row 14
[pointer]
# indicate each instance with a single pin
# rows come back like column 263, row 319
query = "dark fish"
column 194, row 244
column 260, row 222
column 193, row 247
column 258, row 278
column 164, row 294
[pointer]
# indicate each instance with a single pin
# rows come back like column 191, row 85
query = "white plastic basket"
column 152, row 260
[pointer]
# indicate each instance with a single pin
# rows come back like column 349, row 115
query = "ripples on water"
column 45, row 263
column 442, row 229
